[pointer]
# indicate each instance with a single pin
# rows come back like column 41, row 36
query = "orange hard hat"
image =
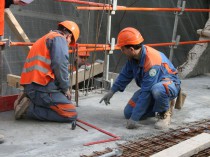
column 73, row 27
column 84, row 52
column 129, row 36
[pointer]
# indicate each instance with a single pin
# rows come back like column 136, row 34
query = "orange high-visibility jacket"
column 2, row 5
column 37, row 66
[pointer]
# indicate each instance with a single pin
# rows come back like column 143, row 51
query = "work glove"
column 85, row 67
column 107, row 97
column 131, row 124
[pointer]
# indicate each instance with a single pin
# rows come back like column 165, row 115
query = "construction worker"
column 45, row 78
column 153, row 73
column 6, row 4
column 82, row 60
column 83, row 63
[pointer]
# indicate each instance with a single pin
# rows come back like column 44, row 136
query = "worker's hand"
column 68, row 94
column 107, row 97
column 19, row 2
column 131, row 124
column 85, row 67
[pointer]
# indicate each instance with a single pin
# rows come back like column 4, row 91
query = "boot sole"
column 23, row 108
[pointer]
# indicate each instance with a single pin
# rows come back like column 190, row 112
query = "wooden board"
column 96, row 69
column 16, row 28
column 13, row 80
column 187, row 148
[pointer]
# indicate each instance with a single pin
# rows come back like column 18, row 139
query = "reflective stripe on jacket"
column 37, row 67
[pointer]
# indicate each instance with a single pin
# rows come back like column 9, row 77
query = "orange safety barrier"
column 102, row 47
column 152, row 45
column 123, row 8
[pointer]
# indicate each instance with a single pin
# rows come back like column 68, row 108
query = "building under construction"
column 178, row 28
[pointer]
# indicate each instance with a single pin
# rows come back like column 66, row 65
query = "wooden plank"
column 13, row 80
column 16, row 28
column 96, row 69
column 187, row 148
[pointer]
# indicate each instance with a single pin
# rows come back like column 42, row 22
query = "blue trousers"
column 50, row 106
column 158, row 100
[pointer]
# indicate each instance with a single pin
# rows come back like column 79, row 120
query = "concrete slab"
column 29, row 138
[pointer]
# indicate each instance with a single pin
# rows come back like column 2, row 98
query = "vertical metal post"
column 108, row 40
column 108, row 34
column 76, row 85
column 179, row 4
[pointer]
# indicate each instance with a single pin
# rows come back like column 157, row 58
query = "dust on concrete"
column 29, row 138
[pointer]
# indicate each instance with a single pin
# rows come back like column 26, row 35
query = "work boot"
column 164, row 118
column 180, row 99
column 21, row 107
column 1, row 138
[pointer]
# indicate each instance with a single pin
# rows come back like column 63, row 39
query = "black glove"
column 107, row 97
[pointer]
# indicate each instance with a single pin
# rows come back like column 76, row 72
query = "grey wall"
column 43, row 15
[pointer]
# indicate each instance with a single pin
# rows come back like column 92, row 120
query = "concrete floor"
column 28, row 138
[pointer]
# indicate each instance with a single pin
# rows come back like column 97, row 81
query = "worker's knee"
column 158, row 91
column 65, row 110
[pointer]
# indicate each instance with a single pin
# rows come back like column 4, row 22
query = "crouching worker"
column 45, row 78
column 154, row 74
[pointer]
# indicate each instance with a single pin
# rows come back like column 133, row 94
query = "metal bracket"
column 114, row 7
column 181, row 4
column 112, row 46
column 177, row 41
column 6, row 43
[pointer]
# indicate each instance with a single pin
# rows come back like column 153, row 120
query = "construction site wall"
column 41, row 16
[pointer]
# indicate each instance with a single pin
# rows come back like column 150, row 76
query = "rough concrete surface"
column 27, row 138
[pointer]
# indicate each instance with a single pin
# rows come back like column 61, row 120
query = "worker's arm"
column 124, row 78
column 150, row 78
column 59, row 61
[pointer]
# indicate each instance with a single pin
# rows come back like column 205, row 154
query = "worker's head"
column 130, row 40
column 71, row 31
column 83, row 56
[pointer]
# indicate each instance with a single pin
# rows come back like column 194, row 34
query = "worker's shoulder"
column 152, row 58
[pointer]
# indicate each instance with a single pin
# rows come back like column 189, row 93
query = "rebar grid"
column 145, row 147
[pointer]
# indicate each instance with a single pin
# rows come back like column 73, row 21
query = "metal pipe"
column 94, row 127
column 102, row 141
column 102, row 47
column 109, row 19
column 93, row 45
column 174, row 31
column 123, row 8
column 82, row 127
column 115, row 152
column 152, row 45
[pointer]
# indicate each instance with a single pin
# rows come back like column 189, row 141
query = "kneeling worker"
column 45, row 78
column 153, row 73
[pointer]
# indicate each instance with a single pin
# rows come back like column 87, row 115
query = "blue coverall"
column 158, row 82
column 43, row 97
